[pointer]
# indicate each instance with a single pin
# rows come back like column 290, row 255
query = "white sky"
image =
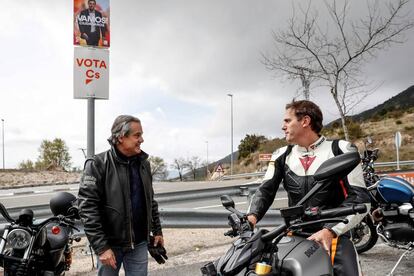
column 172, row 64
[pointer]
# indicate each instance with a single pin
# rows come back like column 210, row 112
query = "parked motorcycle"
column 285, row 249
column 364, row 235
column 44, row 248
column 392, row 214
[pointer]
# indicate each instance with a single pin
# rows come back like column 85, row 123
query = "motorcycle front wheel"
column 364, row 235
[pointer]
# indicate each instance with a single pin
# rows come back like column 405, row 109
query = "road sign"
column 398, row 139
column 397, row 147
column 265, row 157
column 91, row 73
column 219, row 168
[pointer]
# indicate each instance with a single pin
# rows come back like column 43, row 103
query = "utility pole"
column 231, row 155
column 2, row 127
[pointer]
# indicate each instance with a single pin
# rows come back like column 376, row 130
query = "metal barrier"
column 205, row 193
column 185, row 218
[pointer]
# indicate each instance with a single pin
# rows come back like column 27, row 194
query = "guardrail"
column 175, row 217
column 394, row 163
column 172, row 197
column 184, row 218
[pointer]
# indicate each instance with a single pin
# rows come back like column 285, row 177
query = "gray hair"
column 121, row 127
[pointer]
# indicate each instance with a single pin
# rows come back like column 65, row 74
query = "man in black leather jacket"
column 295, row 165
column 116, row 202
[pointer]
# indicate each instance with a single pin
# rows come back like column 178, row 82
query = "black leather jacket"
column 105, row 202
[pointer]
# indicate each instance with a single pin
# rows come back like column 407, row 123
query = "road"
column 18, row 197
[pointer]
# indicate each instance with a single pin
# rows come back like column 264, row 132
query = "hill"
column 402, row 101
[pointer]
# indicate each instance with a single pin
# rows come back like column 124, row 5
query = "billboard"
column 91, row 23
column 91, row 73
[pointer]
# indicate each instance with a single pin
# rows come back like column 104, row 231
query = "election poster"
column 91, row 23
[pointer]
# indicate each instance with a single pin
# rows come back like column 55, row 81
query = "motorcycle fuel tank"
column 299, row 256
column 395, row 190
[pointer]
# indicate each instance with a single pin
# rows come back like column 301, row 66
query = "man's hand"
column 158, row 240
column 323, row 237
column 252, row 219
column 108, row 258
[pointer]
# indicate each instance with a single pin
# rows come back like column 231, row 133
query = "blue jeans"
column 135, row 262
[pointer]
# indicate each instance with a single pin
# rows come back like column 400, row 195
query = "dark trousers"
column 344, row 257
column 93, row 38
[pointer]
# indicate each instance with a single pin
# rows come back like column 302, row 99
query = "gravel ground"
column 16, row 178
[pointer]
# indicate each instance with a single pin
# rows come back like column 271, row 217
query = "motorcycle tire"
column 364, row 235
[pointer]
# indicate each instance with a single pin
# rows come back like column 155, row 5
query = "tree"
column 26, row 165
column 334, row 59
column 180, row 165
column 158, row 168
column 53, row 155
column 250, row 144
column 194, row 164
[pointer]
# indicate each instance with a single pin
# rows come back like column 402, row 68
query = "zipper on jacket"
column 130, row 211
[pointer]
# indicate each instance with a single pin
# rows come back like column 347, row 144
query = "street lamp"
column 2, row 127
column 207, row 161
column 231, row 155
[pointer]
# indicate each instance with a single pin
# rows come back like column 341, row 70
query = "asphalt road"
column 18, row 197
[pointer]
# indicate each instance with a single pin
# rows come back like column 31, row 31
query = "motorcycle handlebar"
column 343, row 211
column 5, row 214
column 320, row 215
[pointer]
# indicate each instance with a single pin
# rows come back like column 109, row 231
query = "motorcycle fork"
column 3, row 240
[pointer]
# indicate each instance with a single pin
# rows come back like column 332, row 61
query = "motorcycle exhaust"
column 377, row 215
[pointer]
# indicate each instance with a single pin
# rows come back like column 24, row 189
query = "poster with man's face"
column 91, row 23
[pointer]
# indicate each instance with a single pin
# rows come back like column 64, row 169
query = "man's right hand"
column 252, row 219
column 108, row 258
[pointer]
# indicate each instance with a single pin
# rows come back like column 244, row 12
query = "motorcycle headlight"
column 18, row 238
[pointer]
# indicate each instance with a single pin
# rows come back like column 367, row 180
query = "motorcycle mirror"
column 227, row 201
column 369, row 140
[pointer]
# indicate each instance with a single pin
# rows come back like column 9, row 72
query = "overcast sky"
column 172, row 64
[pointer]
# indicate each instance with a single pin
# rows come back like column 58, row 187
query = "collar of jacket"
column 123, row 159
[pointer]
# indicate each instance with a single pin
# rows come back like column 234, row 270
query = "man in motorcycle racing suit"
column 295, row 165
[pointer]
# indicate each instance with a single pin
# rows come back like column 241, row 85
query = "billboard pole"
column 90, row 148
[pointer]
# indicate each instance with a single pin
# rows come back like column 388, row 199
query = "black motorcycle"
column 285, row 249
column 44, row 248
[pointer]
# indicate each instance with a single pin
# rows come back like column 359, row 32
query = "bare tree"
column 180, row 165
column 194, row 164
column 158, row 167
column 334, row 58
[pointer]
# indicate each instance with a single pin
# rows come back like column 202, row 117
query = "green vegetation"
column 53, row 155
column 250, row 144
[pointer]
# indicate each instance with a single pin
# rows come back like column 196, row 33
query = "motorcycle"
column 44, row 248
column 285, row 249
column 364, row 235
column 391, row 217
